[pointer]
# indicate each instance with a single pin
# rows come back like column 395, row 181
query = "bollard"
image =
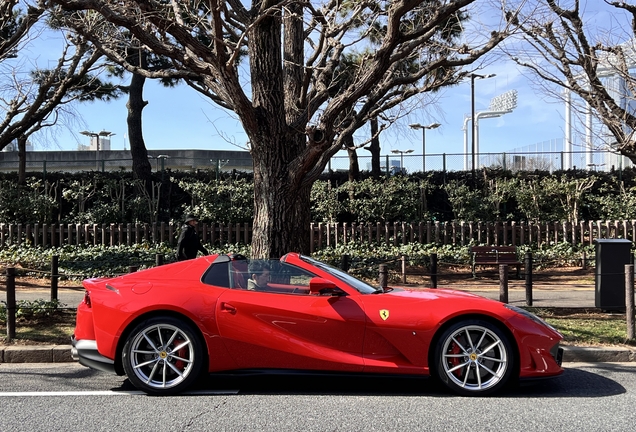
column 383, row 277
column 159, row 257
column 503, row 283
column 528, row 265
column 54, row 276
column 404, row 269
column 584, row 261
column 629, row 301
column 344, row 262
column 434, row 270
column 132, row 269
column 10, row 303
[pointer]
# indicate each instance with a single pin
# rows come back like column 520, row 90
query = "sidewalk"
column 566, row 296
column 543, row 295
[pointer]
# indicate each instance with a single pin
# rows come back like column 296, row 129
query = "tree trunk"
column 22, row 141
column 140, row 165
column 374, row 148
column 281, row 192
column 281, row 209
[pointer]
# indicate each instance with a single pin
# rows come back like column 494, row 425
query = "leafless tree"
column 592, row 59
column 295, row 110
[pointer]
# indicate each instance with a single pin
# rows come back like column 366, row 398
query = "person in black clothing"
column 189, row 244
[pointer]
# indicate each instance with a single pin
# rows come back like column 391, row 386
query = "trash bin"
column 611, row 257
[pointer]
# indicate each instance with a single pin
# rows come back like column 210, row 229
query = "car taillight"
column 87, row 298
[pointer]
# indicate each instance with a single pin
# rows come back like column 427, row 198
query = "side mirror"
column 319, row 286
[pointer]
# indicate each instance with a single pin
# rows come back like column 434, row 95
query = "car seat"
column 238, row 273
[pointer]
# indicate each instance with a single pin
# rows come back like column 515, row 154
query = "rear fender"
column 212, row 342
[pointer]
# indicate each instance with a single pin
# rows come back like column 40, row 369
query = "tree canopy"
column 276, row 65
column 32, row 98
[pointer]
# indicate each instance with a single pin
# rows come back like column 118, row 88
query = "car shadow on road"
column 573, row 383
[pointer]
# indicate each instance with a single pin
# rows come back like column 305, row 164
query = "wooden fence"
column 327, row 234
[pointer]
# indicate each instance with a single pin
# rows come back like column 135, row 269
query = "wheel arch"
column 119, row 368
column 471, row 316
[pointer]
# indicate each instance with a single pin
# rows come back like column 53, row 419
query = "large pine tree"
column 295, row 110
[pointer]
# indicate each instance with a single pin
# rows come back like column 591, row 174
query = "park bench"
column 494, row 256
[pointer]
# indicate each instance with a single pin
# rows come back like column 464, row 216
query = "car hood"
column 440, row 303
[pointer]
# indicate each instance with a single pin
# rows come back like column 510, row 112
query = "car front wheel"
column 163, row 355
column 474, row 357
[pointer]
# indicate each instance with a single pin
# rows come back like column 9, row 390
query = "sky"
column 180, row 118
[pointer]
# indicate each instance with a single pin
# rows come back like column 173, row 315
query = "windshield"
column 360, row 286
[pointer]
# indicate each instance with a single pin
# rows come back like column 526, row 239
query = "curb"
column 62, row 354
column 598, row 354
column 35, row 354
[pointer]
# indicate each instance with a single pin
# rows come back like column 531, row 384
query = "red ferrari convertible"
column 164, row 327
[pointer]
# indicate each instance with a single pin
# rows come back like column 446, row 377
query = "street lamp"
column 473, row 76
column 163, row 164
column 401, row 153
column 419, row 126
column 97, row 136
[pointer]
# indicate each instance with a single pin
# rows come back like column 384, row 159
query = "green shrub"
column 32, row 309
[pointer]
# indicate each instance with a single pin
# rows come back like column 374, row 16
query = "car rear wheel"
column 474, row 357
column 163, row 355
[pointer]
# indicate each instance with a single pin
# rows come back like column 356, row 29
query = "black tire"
column 163, row 356
column 474, row 358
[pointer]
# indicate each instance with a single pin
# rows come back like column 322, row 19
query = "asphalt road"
column 588, row 397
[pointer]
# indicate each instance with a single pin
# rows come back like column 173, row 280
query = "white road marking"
column 110, row 393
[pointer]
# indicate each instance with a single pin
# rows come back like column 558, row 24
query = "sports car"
column 166, row 326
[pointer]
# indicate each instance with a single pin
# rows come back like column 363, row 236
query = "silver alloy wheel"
column 162, row 356
column 474, row 358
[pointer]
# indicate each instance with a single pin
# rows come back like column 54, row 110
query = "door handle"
column 226, row 307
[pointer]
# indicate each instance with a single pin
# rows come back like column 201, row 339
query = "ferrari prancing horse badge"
column 384, row 314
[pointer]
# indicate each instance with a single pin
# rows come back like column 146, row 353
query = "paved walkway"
column 71, row 297
column 567, row 296
column 578, row 296
column 573, row 296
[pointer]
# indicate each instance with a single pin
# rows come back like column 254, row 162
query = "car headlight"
column 530, row 315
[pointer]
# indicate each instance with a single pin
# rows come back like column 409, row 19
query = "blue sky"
column 182, row 118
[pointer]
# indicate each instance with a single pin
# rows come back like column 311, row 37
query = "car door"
column 290, row 329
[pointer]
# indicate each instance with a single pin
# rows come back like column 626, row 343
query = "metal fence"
column 391, row 163
column 156, row 164
column 514, row 161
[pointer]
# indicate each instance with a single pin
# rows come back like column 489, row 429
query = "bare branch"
column 568, row 52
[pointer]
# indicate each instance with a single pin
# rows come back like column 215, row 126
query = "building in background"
column 13, row 147
column 584, row 132
column 117, row 160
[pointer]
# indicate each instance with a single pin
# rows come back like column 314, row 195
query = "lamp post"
column 401, row 153
column 163, row 164
column 97, row 136
column 473, row 76
column 419, row 126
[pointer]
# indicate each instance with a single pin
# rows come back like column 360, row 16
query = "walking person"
column 189, row 244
